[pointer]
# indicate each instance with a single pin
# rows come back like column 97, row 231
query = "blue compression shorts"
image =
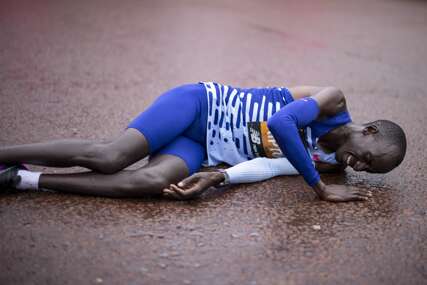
column 175, row 124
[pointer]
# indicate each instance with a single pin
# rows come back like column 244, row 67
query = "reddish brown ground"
column 85, row 68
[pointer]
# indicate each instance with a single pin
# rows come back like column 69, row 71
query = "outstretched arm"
column 250, row 171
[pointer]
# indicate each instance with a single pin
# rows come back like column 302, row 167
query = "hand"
column 193, row 185
column 344, row 193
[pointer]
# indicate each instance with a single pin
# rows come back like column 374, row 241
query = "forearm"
column 284, row 126
column 219, row 177
column 196, row 184
column 259, row 169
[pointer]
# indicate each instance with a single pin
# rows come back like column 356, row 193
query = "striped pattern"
column 229, row 111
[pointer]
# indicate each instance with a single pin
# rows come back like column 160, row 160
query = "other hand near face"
column 193, row 186
column 344, row 193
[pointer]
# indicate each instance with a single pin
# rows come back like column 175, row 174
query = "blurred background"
column 84, row 69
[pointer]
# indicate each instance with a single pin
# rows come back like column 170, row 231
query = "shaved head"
column 392, row 135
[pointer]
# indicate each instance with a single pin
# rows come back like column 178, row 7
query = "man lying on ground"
column 262, row 132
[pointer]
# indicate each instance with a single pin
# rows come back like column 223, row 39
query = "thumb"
column 187, row 181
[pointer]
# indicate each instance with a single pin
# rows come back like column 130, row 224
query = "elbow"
column 335, row 90
column 337, row 94
column 331, row 101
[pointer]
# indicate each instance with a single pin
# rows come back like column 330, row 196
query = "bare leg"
column 151, row 179
column 110, row 157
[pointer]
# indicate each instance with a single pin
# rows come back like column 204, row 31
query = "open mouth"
column 350, row 159
column 354, row 162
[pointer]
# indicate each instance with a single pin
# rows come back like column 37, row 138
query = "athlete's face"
column 365, row 152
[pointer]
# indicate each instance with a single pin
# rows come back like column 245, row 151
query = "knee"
column 105, row 159
column 145, row 182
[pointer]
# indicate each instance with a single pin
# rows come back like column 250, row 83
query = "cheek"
column 381, row 166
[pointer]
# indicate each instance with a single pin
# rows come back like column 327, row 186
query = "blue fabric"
column 232, row 113
column 284, row 126
column 322, row 127
column 179, row 112
column 192, row 152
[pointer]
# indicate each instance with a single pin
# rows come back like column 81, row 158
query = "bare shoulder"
column 302, row 91
column 331, row 99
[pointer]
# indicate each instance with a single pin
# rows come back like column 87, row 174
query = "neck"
column 337, row 137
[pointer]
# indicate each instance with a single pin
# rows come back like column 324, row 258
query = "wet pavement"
column 85, row 68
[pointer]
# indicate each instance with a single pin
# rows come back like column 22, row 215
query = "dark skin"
column 106, row 160
column 355, row 146
column 160, row 176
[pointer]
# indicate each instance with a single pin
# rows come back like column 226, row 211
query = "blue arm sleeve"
column 284, row 126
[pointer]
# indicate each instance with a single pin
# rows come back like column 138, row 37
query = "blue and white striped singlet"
column 237, row 122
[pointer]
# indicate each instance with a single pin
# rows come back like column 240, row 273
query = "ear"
column 370, row 130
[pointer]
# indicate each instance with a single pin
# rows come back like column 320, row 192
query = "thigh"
column 190, row 152
column 169, row 116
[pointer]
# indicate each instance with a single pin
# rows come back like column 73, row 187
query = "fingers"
column 174, row 192
column 351, row 196
column 171, row 194
column 362, row 192
column 359, row 198
column 361, row 195
column 186, row 181
column 188, row 193
column 179, row 191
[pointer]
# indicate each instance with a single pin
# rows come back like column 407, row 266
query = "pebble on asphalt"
column 162, row 265
column 254, row 234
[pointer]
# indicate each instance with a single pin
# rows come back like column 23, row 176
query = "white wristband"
column 226, row 178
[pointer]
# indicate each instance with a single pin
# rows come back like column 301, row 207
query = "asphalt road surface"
column 84, row 69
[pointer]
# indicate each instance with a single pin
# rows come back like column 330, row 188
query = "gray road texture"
column 83, row 69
